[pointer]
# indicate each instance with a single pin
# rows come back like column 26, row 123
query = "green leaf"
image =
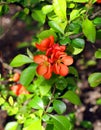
column 78, row 43
column 35, row 125
column 47, row 9
column 59, row 106
column 28, row 74
column 72, row 97
column 20, row 60
column 73, row 71
column 11, row 125
column 61, row 83
column 2, row 101
column 74, row 14
column 89, row 30
column 47, row 33
column 36, row 103
column 94, row 79
column 61, row 123
column 87, row 125
column 39, row 16
column 97, row 21
column 98, row 102
column 98, row 54
column 56, row 26
column 65, row 41
column 10, row 100
column 60, row 8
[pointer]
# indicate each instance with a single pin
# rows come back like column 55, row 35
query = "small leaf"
column 98, row 102
column 89, row 30
column 47, row 33
column 36, row 103
column 78, row 43
column 98, row 54
column 74, row 14
column 11, row 101
column 20, row 60
column 72, row 97
column 94, row 79
column 55, row 26
column 39, row 16
column 47, row 9
column 11, row 125
column 60, row 8
column 2, row 100
column 61, row 123
column 28, row 74
column 97, row 21
column 35, row 125
column 59, row 106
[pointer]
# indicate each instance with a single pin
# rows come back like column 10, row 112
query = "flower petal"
column 48, row 74
column 40, row 59
column 41, row 69
column 56, row 68
column 63, row 70
column 67, row 60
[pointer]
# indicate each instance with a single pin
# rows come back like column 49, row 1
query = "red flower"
column 55, row 60
column 19, row 89
column 98, row 1
column 44, row 68
column 45, row 44
column 61, row 65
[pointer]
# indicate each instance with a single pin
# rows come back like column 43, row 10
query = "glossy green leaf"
column 20, row 60
column 47, row 9
column 35, row 125
column 11, row 125
column 72, row 97
column 97, row 21
column 59, row 106
column 56, row 26
column 94, row 79
column 28, row 74
column 60, row 8
column 78, row 43
column 36, row 103
column 86, row 124
column 89, row 30
column 2, row 100
column 98, row 54
column 46, row 33
column 65, row 41
column 39, row 16
column 61, row 123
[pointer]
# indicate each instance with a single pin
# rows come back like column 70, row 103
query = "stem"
column 50, row 100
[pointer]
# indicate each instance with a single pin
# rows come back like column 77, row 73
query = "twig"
column 95, row 14
column 75, row 35
column 50, row 100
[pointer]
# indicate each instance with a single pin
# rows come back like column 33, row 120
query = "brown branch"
column 75, row 35
column 95, row 14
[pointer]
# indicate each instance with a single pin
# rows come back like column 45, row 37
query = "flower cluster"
column 55, row 59
column 18, row 88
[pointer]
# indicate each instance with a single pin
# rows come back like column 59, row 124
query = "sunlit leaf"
column 20, row 60
column 28, row 74
column 11, row 125
column 98, row 54
column 72, row 97
column 94, row 79
column 59, row 106
column 60, row 8
column 89, row 30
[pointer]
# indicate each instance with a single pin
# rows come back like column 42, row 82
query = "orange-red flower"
column 16, row 77
column 98, row 1
column 45, row 44
column 55, row 59
column 19, row 89
column 61, row 65
column 44, row 68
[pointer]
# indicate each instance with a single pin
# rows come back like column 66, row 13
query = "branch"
column 75, row 35
column 95, row 14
